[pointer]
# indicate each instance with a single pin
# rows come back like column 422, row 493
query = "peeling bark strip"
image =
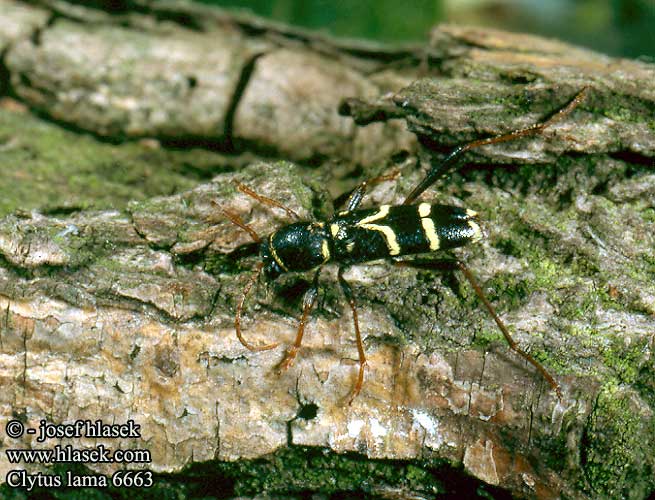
column 114, row 310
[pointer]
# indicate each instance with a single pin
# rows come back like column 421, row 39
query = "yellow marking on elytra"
column 325, row 251
column 424, row 210
column 430, row 233
column 387, row 232
column 274, row 254
column 471, row 213
column 350, row 247
column 477, row 232
column 380, row 214
column 334, row 229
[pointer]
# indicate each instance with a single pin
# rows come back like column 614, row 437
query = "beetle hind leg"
column 452, row 264
column 510, row 341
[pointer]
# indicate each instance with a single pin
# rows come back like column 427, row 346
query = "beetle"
column 355, row 235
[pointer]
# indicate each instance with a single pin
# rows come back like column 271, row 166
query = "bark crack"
column 239, row 90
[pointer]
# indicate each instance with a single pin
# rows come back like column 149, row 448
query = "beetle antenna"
column 237, row 221
column 265, row 200
column 450, row 161
column 237, row 317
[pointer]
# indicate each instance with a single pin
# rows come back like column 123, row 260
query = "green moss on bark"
column 617, row 446
column 58, row 171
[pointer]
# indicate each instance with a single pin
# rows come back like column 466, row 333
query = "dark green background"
column 616, row 27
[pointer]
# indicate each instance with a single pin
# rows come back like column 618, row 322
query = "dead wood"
column 116, row 309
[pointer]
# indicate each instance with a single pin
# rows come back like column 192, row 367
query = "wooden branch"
column 115, row 309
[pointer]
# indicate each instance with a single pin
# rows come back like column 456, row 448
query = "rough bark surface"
column 121, row 132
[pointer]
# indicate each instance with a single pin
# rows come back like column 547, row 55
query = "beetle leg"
column 308, row 301
column 237, row 317
column 445, row 264
column 358, row 193
column 448, row 165
column 510, row 341
column 347, row 291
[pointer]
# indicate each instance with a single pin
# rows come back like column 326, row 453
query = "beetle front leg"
column 239, row 311
column 308, row 301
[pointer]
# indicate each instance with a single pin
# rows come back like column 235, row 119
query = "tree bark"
column 121, row 133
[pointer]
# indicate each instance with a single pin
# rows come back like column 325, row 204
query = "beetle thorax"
column 297, row 247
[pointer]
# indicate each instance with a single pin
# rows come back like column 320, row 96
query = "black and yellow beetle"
column 354, row 236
